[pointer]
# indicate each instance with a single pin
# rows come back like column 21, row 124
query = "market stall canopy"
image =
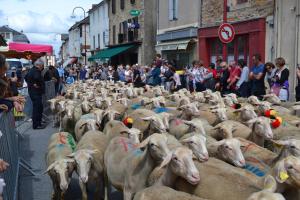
column 34, row 48
column 110, row 52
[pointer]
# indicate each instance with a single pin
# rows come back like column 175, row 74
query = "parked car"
column 15, row 68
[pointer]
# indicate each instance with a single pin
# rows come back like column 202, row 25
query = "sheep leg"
column 83, row 190
column 107, row 190
column 127, row 193
column 99, row 188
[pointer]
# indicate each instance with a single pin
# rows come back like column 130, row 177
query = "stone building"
column 132, row 32
column 287, row 37
column 254, row 26
column 11, row 35
column 177, row 26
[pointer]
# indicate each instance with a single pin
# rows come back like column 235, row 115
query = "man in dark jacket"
column 36, row 88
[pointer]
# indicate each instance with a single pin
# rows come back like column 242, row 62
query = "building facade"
column 99, row 27
column 132, row 26
column 177, row 26
column 79, row 41
column 287, row 37
column 11, row 35
column 254, row 26
column 64, row 48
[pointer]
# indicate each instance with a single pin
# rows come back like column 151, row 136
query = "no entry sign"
column 226, row 33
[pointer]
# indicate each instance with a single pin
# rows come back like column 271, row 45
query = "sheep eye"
column 152, row 145
column 293, row 147
column 175, row 158
column 290, row 167
column 191, row 142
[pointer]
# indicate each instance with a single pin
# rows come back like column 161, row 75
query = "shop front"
column 249, row 40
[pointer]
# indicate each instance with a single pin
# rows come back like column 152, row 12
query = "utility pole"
column 225, row 21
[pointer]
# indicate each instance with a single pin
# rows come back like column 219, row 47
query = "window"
column 132, row 1
column 122, row 4
column 113, row 6
column 94, row 42
column 241, row 1
column 125, row 30
column 99, row 41
column 80, row 31
column 136, row 31
column 173, row 10
column 114, row 34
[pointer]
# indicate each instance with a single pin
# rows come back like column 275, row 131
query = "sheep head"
column 62, row 170
column 246, row 112
column 288, row 171
column 261, row 127
column 156, row 123
column 197, row 143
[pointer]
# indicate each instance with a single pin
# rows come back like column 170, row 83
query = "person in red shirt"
column 235, row 74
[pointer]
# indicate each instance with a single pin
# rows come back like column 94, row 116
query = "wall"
column 287, row 38
column 212, row 11
column 188, row 15
column 74, row 43
column 99, row 24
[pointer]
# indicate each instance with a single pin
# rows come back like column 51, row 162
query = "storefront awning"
column 34, row 48
column 110, row 52
column 175, row 45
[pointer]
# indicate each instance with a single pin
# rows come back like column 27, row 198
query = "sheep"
column 116, row 128
column 228, row 150
column 57, row 107
column 179, row 127
column 73, row 113
column 287, row 148
column 89, row 158
column 272, row 98
column 189, row 111
column 147, row 121
column 259, row 130
column 268, row 193
column 163, row 193
column 253, row 100
column 243, row 114
column 213, row 116
column 84, row 125
column 237, row 184
column 128, row 167
column 60, row 167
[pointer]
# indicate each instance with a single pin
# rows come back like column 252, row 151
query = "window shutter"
column 171, row 10
column 175, row 15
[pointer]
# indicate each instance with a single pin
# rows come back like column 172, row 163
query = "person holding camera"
column 298, row 86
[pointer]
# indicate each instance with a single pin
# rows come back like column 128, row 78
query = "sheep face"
column 228, row 101
column 266, row 195
column 83, row 159
column 233, row 97
column 291, row 145
column 221, row 114
column 230, row 150
column 288, row 171
column 195, row 126
column 253, row 100
column 197, row 143
column 156, row 123
column 182, row 165
column 62, row 170
column 135, row 135
column 70, row 111
column 52, row 104
column 261, row 127
column 157, row 146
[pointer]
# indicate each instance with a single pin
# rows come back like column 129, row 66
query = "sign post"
column 225, row 21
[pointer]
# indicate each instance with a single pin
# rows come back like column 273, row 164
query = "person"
column 281, row 79
column 52, row 75
column 177, row 80
column 222, row 84
column 209, row 77
column 128, row 74
column 235, row 74
column 121, row 73
column 3, row 166
column 155, row 74
column 36, row 88
column 83, row 73
column 270, row 71
column 7, row 98
column 256, row 77
column 137, row 80
column 242, row 85
column 191, row 75
column 116, row 76
column 298, row 86
column 199, row 74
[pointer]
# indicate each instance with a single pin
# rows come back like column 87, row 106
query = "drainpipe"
column 297, row 42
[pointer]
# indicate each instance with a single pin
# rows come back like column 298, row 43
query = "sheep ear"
column 68, row 160
column 83, row 125
column 147, row 118
column 270, row 184
column 184, row 141
column 50, row 167
column 166, row 160
column 251, row 122
column 281, row 173
column 71, row 155
column 281, row 143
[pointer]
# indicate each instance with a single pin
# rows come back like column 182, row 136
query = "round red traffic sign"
column 226, row 33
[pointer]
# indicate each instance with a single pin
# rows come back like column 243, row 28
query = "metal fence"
column 9, row 143
column 9, row 151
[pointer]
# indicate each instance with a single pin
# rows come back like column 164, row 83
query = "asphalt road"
column 33, row 148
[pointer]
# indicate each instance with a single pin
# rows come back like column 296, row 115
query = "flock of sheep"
column 153, row 145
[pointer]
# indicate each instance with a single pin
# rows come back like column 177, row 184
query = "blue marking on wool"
column 160, row 110
column 136, row 106
column 254, row 170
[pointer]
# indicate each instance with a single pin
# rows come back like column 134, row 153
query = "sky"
column 42, row 20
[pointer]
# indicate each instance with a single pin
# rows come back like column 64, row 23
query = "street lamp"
column 73, row 16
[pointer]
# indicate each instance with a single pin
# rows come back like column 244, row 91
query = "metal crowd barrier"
column 49, row 94
column 9, row 152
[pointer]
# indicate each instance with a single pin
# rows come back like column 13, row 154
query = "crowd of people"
column 232, row 77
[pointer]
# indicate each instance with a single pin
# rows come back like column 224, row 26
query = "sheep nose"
column 84, row 179
column 205, row 157
column 242, row 162
column 167, row 130
column 196, row 176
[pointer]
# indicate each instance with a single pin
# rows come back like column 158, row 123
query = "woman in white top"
column 128, row 74
column 242, row 84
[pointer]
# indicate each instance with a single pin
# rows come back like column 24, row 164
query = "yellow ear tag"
column 283, row 176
